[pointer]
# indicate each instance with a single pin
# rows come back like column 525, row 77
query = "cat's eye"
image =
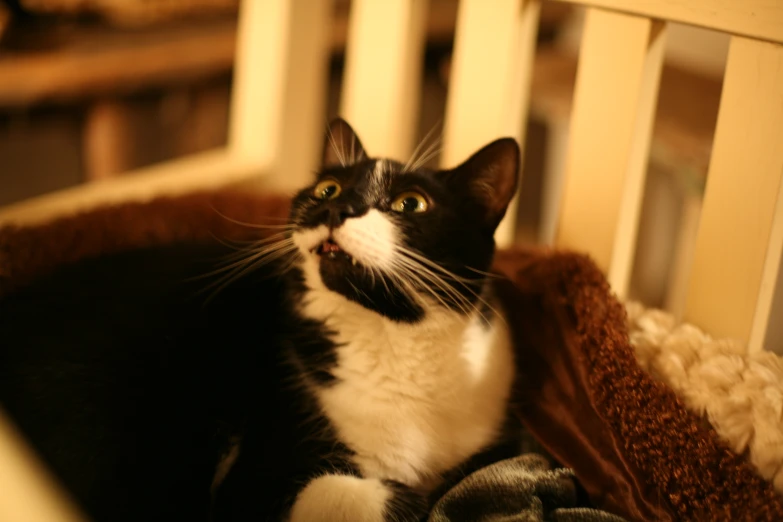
column 410, row 202
column 327, row 189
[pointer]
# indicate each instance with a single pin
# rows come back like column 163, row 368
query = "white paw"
column 341, row 498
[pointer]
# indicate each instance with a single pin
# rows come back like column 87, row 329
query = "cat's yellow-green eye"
column 410, row 202
column 327, row 189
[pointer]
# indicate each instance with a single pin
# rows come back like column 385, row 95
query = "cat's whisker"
column 251, row 247
column 250, row 266
column 444, row 272
column 477, row 295
column 417, row 272
column 407, row 273
column 251, row 261
column 383, row 280
column 416, row 263
column 368, row 243
column 462, row 303
column 356, row 155
column 239, row 272
column 488, row 275
column 448, row 299
column 427, row 157
column 445, row 286
column 247, row 257
column 412, row 160
column 229, row 243
column 290, row 263
column 402, row 281
column 287, row 226
column 246, row 244
column 360, row 292
column 335, row 148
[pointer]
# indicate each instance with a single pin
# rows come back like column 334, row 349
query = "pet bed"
column 636, row 432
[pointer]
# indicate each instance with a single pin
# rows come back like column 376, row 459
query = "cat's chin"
column 339, row 265
column 342, row 274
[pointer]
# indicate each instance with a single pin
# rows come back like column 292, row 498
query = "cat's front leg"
column 347, row 498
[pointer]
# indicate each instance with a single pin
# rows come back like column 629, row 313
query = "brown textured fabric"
column 28, row 252
column 635, row 448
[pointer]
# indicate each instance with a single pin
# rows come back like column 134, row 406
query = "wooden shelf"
column 96, row 61
column 71, row 61
column 89, row 60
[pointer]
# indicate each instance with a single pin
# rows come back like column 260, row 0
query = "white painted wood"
column 657, row 239
column 202, row 171
column 29, row 493
column 382, row 79
column 489, row 88
column 553, row 179
column 682, row 261
column 761, row 19
column 279, row 89
column 740, row 238
column 106, row 139
column 611, row 125
column 774, row 339
column 765, row 333
column 626, row 231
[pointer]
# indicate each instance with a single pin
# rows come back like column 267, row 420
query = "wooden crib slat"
column 382, row 79
column 740, row 238
column 614, row 103
column 489, row 85
column 279, row 88
column 203, row 171
column 761, row 19
column 30, row 493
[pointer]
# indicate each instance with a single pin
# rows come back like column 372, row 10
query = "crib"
column 277, row 125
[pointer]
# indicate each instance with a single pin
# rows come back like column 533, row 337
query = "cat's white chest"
column 415, row 401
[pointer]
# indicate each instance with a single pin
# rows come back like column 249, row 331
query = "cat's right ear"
column 491, row 176
column 342, row 146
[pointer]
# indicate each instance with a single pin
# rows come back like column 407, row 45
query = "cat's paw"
column 345, row 498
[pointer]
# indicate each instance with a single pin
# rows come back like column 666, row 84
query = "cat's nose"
column 339, row 213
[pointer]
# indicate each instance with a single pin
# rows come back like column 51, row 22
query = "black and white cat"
column 354, row 387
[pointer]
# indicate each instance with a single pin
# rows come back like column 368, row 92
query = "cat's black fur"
column 133, row 389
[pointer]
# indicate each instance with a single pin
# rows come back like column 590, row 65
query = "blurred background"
column 90, row 89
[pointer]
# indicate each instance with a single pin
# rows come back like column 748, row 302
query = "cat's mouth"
column 331, row 251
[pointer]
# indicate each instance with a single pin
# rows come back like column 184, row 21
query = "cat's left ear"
column 342, row 146
column 491, row 176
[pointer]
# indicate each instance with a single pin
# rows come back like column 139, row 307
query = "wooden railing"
column 738, row 248
column 276, row 127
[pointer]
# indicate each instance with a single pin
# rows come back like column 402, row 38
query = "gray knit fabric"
column 522, row 489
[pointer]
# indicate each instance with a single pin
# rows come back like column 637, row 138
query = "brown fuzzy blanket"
column 635, row 448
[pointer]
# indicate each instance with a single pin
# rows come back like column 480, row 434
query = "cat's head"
column 397, row 239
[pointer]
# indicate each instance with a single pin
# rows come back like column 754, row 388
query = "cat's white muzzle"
column 370, row 239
